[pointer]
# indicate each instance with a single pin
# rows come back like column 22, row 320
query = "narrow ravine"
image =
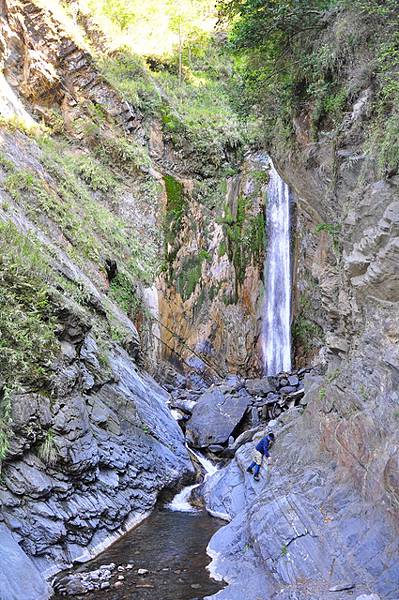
column 165, row 557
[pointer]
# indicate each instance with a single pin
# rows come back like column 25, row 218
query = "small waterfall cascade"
column 181, row 501
column 276, row 322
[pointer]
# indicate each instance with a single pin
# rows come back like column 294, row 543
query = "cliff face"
column 212, row 288
column 97, row 209
column 325, row 518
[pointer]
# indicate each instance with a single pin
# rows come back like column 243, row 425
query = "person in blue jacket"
column 261, row 450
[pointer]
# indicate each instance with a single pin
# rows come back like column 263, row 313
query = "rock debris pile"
column 214, row 419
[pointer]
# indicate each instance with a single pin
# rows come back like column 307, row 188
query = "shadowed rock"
column 215, row 416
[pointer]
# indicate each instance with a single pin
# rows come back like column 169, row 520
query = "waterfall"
column 276, row 323
column 181, row 502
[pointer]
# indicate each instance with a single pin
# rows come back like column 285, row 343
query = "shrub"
column 28, row 342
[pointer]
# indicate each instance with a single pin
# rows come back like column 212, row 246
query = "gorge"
column 168, row 296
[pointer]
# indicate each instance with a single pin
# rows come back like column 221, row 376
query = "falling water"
column 181, row 502
column 276, row 334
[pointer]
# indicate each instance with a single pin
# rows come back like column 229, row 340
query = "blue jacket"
column 263, row 446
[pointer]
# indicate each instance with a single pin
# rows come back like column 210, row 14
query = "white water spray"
column 180, row 502
column 276, row 326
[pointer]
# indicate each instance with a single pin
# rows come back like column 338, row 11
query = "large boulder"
column 259, row 387
column 19, row 578
column 215, row 416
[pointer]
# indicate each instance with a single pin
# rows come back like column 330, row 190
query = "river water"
column 171, row 545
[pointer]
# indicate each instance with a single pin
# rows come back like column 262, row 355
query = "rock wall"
column 304, row 531
column 86, row 464
column 211, row 296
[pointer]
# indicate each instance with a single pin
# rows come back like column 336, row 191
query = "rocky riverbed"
column 165, row 557
column 300, row 533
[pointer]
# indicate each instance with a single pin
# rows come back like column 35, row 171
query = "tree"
column 185, row 16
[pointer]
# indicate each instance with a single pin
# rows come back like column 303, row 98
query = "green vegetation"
column 313, row 58
column 244, row 237
column 306, row 333
column 94, row 174
column 176, row 204
column 322, row 393
column 47, row 451
column 333, row 230
column 195, row 111
column 284, row 550
column 128, row 73
column 189, row 275
column 332, row 375
column 28, row 343
column 364, row 392
column 122, row 290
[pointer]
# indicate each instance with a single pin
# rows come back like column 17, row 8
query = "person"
column 261, row 450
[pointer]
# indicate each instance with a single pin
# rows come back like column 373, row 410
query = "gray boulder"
column 214, row 418
column 19, row 578
column 259, row 387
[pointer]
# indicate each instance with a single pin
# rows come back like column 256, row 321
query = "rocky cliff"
column 102, row 274
column 325, row 521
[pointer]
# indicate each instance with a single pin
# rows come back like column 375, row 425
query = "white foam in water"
column 176, row 414
column 276, row 326
column 180, row 502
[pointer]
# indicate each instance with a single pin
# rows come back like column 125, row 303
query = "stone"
column 142, row 571
column 265, row 412
column 105, row 585
column 214, row 418
column 293, row 380
column 341, row 587
column 19, row 577
column 254, row 417
column 368, row 597
column 68, row 351
column 259, row 387
column 287, row 389
column 183, row 404
column 215, row 448
column 89, row 352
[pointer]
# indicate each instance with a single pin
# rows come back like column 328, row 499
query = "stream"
column 171, row 545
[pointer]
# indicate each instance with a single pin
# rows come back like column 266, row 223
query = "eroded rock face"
column 213, row 301
column 304, row 527
column 87, row 465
